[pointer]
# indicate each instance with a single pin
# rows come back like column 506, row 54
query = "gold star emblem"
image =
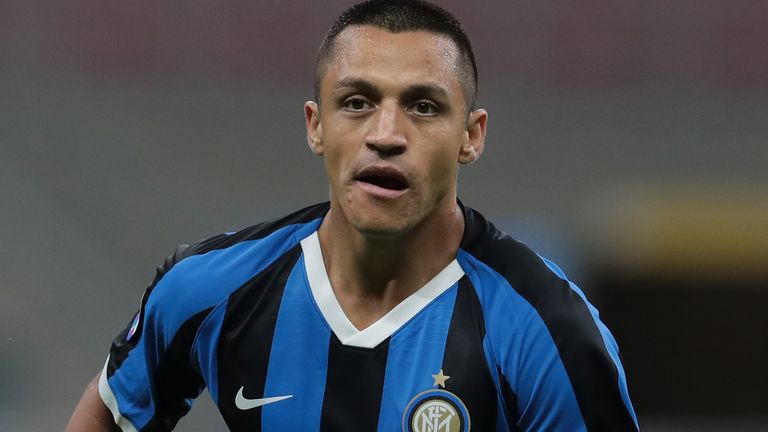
column 440, row 379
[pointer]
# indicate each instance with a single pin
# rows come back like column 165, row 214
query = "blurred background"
column 628, row 141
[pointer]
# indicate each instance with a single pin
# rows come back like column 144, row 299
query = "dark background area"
column 627, row 141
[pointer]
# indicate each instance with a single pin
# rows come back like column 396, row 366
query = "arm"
column 147, row 382
column 91, row 415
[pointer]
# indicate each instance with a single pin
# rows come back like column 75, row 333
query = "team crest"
column 436, row 410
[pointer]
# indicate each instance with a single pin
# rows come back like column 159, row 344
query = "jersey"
column 499, row 340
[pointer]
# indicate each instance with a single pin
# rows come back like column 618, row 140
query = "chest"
column 278, row 360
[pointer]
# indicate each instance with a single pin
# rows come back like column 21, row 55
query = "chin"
column 380, row 220
column 381, row 229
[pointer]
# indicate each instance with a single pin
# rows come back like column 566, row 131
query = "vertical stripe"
column 608, row 340
column 297, row 224
column 111, row 402
column 246, row 341
column 510, row 401
column 205, row 350
column 595, row 378
column 147, row 356
column 465, row 363
column 176, row 381
column 415, row 354
column 298, row 361
column 156, row 399
column 353, row 388
column 506, row 412
column 194, row 279
column 528, row 357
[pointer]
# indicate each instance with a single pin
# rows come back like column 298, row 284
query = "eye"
column 356, row 104
column 425, row 108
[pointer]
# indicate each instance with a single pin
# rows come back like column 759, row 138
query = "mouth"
column 384, row 182
column 383, row 178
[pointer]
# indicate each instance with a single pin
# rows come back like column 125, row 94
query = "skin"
column 91, row 415
column 391, row 104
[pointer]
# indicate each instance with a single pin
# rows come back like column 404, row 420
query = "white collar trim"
column 377, row 332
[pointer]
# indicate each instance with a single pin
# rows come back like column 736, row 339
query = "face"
column 392, row 128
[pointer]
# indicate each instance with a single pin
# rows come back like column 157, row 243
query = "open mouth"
column 387, row 178
column 385, row 182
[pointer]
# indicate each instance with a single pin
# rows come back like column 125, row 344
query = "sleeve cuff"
column 111, row 402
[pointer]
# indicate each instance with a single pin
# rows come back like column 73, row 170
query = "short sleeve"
column 149, row 381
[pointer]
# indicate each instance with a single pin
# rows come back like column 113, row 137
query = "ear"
column 314, row 128
column 474, row 142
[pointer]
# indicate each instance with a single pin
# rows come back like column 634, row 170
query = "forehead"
column 378, row 54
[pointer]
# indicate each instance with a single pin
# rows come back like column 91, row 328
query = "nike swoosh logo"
column 246, row 404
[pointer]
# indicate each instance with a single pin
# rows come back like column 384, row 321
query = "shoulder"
column 518, row 287
column 200, row 275
column 547, row 338
column 491, row 250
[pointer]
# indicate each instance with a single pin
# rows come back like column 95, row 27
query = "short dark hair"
column 400, row 16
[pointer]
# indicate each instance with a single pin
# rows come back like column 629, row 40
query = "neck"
column 371, row 275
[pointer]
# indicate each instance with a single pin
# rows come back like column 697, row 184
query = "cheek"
column 446, row 172
column 442, row 169
column 445, row 158
column 331, row 162
column 337, row 159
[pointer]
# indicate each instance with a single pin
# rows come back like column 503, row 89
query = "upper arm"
column 91, row 415
column 558, row 364
column 565, row 370
column 149, row 379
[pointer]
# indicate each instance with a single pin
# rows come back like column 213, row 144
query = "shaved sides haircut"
column 399, row 16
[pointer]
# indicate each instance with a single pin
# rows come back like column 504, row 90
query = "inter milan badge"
column 436, row 410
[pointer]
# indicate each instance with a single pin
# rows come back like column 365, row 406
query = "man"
column 392, row 307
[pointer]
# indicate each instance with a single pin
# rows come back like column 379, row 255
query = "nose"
column 387, row 133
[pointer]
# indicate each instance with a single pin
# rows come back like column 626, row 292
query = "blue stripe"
column 192, row 285
column 415, row 354
column 608, row 339
column 205, row 352
column 298, row 360
column 130, row 389
column 501, row 409
column 525, row 352
column 202, row 281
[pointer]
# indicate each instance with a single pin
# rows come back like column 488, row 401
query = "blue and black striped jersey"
column 499, row 340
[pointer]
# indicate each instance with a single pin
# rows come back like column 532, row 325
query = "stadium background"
column 627, row 141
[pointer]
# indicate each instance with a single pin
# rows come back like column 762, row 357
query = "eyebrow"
column 414, row 91
column 358, row 84
column 417, row 91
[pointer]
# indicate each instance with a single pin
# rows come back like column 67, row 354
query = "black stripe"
column 510, row 401
column 589, row 366
column 176, row 379
column 464, row 359
column 121, row 346
column 246, row 341
column 353, row 387
column 264, row 229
